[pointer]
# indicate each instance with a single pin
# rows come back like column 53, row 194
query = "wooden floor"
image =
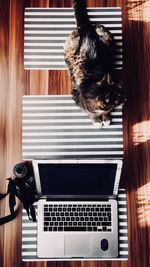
column 15, row 82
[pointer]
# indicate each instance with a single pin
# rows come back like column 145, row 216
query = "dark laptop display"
column 77, row 179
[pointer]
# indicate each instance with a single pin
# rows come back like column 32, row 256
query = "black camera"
column 24, row 177
column 23, row 187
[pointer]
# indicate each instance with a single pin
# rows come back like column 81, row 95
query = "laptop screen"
column 76, row 179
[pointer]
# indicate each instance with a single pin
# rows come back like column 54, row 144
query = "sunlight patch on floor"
column 139, row 10
column 143, row 202
column 141, row 132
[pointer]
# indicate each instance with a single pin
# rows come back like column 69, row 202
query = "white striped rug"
column 46, row 29
column 29, row 234
column 54, row 127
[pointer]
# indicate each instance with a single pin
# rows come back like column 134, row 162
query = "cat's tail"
column 80, row 12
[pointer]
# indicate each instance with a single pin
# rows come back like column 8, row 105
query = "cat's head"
column 99, row 100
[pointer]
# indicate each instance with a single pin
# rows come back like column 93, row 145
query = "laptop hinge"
column 77, row 199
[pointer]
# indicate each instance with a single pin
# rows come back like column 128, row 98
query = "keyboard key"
column 108, row 209
column 81, row 228
column 106, row 223
column 60, row 228
column 89, row 228
column 47, row 219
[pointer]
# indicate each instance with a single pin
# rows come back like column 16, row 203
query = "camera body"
column 22, row 187
column 24, row 175
column 25, row 186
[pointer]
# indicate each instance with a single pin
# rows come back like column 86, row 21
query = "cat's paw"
column 97, row 124
column 106, row 123
column 101, row 124
column 101, row 121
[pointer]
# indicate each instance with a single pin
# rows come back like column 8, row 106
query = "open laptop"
column 77, row 208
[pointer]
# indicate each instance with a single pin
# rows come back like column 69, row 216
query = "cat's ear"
column 107, row 98
column 77, row 97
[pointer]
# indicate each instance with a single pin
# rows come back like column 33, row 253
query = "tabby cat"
column 88, row 53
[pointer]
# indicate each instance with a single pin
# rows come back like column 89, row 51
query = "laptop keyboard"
column 78, row 217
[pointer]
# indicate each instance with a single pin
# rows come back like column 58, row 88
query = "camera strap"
column 12, row 192
column 12, row 203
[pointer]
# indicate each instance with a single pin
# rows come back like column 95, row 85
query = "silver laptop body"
column 77, row 208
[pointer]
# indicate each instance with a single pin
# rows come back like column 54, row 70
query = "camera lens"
column 20, row 170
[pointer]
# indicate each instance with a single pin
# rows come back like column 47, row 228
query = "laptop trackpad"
column 77, row 245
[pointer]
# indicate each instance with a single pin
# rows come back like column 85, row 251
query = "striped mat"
column 46, row 29
column 53, row 127
column 29, row 234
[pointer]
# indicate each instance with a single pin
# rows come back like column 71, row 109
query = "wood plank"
column 16, row 82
